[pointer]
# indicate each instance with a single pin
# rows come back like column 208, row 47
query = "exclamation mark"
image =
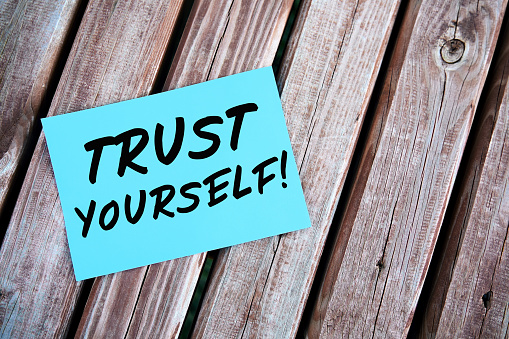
column 283, row 168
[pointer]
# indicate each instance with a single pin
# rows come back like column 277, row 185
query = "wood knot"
column 452, row 51
column 380, row 264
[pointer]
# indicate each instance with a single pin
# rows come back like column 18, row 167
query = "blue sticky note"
column 175, row 174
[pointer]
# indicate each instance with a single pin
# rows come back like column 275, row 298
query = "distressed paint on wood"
column 222, row 37
column 115, row 56
column 395, row 224
column 32, row 35
column 260, row 288
column 451, row 236
column 476, row 297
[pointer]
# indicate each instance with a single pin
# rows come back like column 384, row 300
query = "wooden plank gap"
column 173, row 44
column 136, row 304
column 290, row 23
column 199, row 293
column 79, row 308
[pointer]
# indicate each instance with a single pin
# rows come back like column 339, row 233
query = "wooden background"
column 398, row 114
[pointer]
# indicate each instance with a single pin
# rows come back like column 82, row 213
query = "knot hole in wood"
column 452, row 51
column 486, row 299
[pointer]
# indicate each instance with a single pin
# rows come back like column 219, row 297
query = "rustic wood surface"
column 395, row 224
column 383, row 239
column 477, row 302
column 115, row 56
column 458, row 218
column 32, row 35
column 475, row 298
column 362, row 170
column 222, row 37
column 259, row 289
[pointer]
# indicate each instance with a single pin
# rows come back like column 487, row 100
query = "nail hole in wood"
column 452, row 51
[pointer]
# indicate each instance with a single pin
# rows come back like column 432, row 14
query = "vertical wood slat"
column 415, row 159
column 115, row 56
column 222, row 37
column 473, row 261
column 457, row 220
column 260, row 288
column 32, row 35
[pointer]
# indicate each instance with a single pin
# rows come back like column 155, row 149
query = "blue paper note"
column 175, row 174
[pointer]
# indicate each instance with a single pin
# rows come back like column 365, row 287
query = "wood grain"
column 32, row 35
column 395, row 219
column 477, row 302
column 459, row 211
column 472, row 288
column 221, row 37
column 368, row 147
column 116, row 54
column 259, row 289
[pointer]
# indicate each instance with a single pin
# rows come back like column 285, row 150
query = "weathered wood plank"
column 477, row 302
column 458, row 217
column 118, row 306
column 222, row 37
column 230, row 37
column 259, row 289
column 394, row 222
column 476, row 297
column 362, row 170
column 117, row 52
column 32, row 35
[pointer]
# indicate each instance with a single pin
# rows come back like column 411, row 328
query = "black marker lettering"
column 238, row 112
column 237, row 192
column 88, row 219
column 263, row 180
column 112, row 204
column 139, row 211
column 127, row 156
column 160, row 202
column 184, row 192
column 177, row 142
column 97, row 146
column 213, row 188
column 198, row 130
